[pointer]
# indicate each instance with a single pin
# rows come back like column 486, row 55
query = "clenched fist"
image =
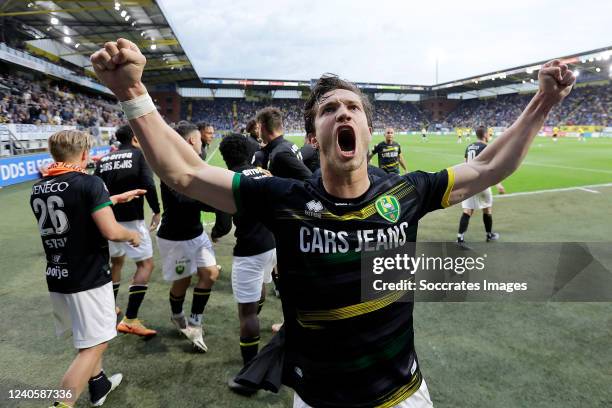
column 556, row 81
column 119, row 66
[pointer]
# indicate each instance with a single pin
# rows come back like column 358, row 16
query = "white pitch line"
column 556, row 190
column 590, row 191
column 567, row 167
column 212, row 154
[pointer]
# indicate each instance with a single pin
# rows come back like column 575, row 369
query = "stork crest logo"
column 388, row 207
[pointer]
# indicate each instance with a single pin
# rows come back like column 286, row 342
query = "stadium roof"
column 592, row 65
column 72, row 30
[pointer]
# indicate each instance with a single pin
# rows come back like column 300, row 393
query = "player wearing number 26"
column 75, row 221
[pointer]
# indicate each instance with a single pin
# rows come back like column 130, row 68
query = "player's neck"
column 349, row 184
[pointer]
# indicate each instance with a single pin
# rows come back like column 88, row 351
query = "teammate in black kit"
column 75, row 222
column 186, row 250
column 254, row 257
column 282, row 158
column 389, row 153
column 482, row 200
column 338, row 351
column 310, row 153
column 123, row 170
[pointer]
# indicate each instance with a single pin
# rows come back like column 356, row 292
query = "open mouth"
column 346, row 141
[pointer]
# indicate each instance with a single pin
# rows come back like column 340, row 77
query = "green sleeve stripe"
column 236, row 191
column 99, row 207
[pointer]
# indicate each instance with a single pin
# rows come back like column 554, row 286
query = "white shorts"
column 89, row 315
column 181, row 259
column 420, row 399
column 484, row 199
column 142, row 252
column 249, row 274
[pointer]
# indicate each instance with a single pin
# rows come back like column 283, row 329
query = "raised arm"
column 502, row 158
column 119, row 66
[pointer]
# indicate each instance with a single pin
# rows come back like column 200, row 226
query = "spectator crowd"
column 45, row 102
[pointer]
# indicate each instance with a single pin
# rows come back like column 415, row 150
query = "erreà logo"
column 314, row 208
column 388, row 207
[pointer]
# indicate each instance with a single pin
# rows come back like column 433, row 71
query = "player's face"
column 207, row 134
column 195, row 141
column 342, row 130
column 389, row 134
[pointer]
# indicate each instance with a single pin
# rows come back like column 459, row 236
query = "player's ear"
column 85, row 156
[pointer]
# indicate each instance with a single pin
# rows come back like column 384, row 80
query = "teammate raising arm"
column 119, row 65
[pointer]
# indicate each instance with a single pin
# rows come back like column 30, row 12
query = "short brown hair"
column 328, row 83
column 67, row 144
column 250, row 126
column 481, row 131
column 271, row 118
column 185, row 128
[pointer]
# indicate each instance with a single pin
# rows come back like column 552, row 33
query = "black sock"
column 137, row 294
column 200, row 298
column 463, row 225
column 176, row 304
column 248, row 348
column 116, row 289
column 260, row 304
column 488, row 222
column 98, row 386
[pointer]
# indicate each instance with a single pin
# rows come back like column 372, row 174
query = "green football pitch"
column 517, row 354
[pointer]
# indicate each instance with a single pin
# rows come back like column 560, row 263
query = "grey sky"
column 382, row 40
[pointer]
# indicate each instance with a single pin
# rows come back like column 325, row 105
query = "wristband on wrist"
column 137, row 107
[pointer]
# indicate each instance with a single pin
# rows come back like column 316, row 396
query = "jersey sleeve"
column 146, row 177
column 95, row 194
column 376, row 149
column 294, row 167
column 433, row 189
column 259, row 197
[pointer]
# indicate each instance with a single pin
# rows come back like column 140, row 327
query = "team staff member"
column 389, row 153
column 207, row 133
column 186, row 250
column 282, row 158
column 254, row 258
column 336, row 348
column 123, row 170
column 253, row 138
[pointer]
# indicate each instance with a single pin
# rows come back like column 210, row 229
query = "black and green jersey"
column 388, row 156
column 341, row 351
column 76, row 251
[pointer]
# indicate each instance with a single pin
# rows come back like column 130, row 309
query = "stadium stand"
column 231, row 114
column 48, row 102
column 587, row 105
